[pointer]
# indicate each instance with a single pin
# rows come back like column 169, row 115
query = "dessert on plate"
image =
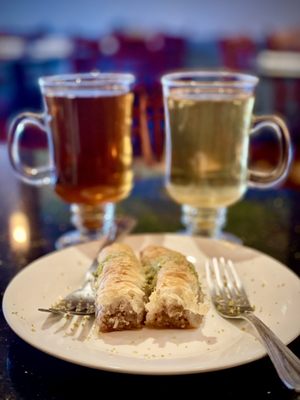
column 161, row 290
column 176, row 299
column 120, row 289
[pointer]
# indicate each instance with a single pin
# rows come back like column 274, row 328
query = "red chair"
column 284, row 40
column 238, row 52
column 86, row 55
column 148, row 58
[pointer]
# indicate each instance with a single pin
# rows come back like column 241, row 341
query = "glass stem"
column 92, row 220
column 207, row 222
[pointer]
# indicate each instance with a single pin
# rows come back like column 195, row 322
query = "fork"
column 82, row 301
column 231, row 301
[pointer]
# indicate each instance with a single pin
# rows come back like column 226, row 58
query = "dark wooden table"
column 268, row 221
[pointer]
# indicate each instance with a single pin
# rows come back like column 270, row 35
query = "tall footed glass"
column 209, row 120
column 87, row 121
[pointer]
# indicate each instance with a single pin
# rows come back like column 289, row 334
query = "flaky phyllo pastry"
column 162, row 291
column 120, row 285
column 176, row 300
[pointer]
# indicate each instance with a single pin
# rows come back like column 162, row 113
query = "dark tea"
column 92, row 145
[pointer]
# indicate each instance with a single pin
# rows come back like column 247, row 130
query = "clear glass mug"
column 87, row 121
column 209, row 120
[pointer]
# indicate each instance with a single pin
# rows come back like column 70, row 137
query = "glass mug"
column 87, row 120
column 209, row 121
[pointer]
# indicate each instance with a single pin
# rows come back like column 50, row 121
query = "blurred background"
column 148, row 39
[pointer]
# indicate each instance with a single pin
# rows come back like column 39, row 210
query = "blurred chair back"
column 86, row 54
column 238, row 52
column 147, row 57
column 12, row 50
column 279, row 67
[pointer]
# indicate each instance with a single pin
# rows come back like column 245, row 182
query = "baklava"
column 176, row 299
column 120, row 289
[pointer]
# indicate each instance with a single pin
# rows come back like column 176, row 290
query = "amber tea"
column 92, row 145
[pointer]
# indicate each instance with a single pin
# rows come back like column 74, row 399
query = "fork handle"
column 124, row 227
column 287, row 364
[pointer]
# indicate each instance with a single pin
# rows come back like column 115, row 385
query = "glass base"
column 230, row 237
column 75, row 237
column 206, row 222
column 94, row 223
column 123, row 226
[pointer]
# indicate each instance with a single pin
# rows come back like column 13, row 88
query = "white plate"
column 217, row 344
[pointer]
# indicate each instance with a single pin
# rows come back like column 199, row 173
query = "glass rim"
column 86, row 79
column 204, row 78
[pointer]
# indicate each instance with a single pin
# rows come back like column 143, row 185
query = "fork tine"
column 230, row 280
column 224, row 279
column 217, row 266
column 213, row 277
column 67, row 312
column 52, row 310
column 237, row 282
column 79, row 307
column 84, row 312
column 209, row 278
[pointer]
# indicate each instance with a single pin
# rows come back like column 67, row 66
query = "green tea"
column 207, row 152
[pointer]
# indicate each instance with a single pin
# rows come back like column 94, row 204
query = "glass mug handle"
column 263, row 179
column 36, row 176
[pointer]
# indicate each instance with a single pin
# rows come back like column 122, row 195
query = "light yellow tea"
column 208, row 146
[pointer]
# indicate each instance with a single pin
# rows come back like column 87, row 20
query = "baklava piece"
column 120, row 286
column 176, row 300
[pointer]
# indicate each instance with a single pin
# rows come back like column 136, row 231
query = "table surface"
column 265, row 220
